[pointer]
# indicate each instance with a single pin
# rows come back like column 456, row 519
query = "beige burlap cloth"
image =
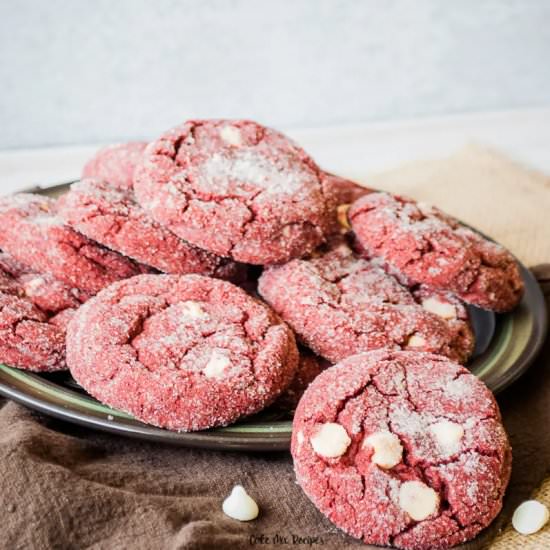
column 484, row 189
column 66, row 487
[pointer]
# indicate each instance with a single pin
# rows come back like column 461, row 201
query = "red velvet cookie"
column 342, row 190
column 235, row 188
column 340, row 304
column 183, row 352
column 426, row 246
column 404, row 449
column 113, row 218
column 31, row 231
column 452, row 310
column 309, row 367
column 115, row 164
column 44, row 291
column 28, row 340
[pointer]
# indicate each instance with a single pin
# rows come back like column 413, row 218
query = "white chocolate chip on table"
column 529, row 517
column 388, row 450
column 239, row 505
column 418, row 500
column 330, row 440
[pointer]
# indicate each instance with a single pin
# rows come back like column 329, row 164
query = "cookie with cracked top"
column 183, row 352
column 340, row 304
column 402, row 449
column 425, row 246
column 32, row 232
column 115, row 164
column 235, row 188
column 113, row 218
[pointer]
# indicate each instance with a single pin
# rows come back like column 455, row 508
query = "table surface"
column 354, row 151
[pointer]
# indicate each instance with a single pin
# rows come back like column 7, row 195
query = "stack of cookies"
column 176, row 278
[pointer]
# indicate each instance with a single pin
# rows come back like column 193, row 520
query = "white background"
column 89, row 71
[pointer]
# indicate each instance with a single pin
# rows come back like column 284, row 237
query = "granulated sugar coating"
column 32, row 338
column 404, row 449
column 235, row 188
column 32, row 232
column 115, row 164
column 183, row 352
column 44, row 291
column 424, row 245
column 340, row 304
column 453, row 311
column 113, row 218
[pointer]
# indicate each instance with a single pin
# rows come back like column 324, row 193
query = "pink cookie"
column 28, row 340
column 453, row 311
column 183, row 352
column 115, row 164
column 44, row 291
column 235, row 188
column 340, row 304
column 402, row 449
column 309, row 367
column 424, row 245
column 342, row 190
column 31, row 231
column 112, row 217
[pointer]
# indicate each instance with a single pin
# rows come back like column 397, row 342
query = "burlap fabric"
column 66, row 487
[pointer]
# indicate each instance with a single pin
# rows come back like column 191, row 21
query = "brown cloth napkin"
column 66, row 487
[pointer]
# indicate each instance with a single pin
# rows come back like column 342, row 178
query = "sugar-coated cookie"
column 235, row 188
column 340, row 304
column 402, row 449
column 422, row 245
column 183, row 352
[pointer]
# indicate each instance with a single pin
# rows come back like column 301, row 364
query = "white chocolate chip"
column 193, row 309
column 418, row 500
column 231, row 135
column 448, row 435
column 218, row 362
column 387, row 449
column 239, row 505
column 287, row 231
column 443, row 309
column 331, row 440
column 530, row 516
column 300, row 438
column 33, row 285
column 416, row 341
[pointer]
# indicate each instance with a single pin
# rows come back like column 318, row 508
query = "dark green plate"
column 506, row 346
